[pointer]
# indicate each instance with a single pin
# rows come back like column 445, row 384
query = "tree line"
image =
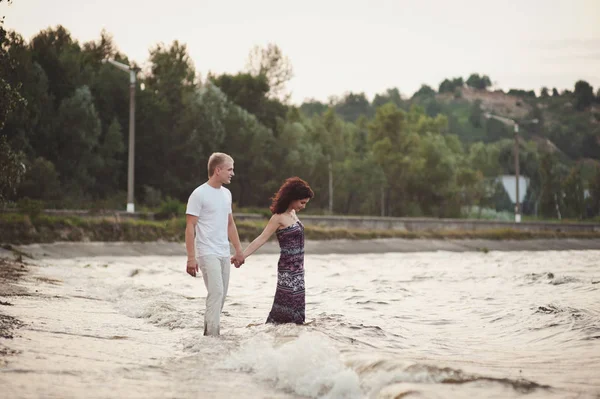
column 64, row 116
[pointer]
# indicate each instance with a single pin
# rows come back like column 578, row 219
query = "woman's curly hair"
column 292, row 189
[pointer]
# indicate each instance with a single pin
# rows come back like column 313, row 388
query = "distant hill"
column 561, row 129
column 569, row 122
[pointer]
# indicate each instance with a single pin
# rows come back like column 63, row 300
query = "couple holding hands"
column 210, row 227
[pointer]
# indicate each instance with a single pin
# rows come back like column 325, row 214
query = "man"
column 209, row 224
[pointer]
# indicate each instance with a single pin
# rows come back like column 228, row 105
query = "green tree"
column 299, row 152
column 522, row 93
column 484, row 158
column 11, row 170
column 358, row 185
column 313, row 107
column 9, row 94
column 584, row 95
column 244, row 89
column 396, row 150
column 28, row 127
column 329, row 131
column 574, row 201
column 210, row 122
column 251, row 93
column 424, row 91
column 76, row 141
column 496, row 130
column 270, row 62
column 471, row 185
column 111, row 151
column 169, row 113
column 390, row 96
column 59, row 56
column 551, row 193
column 446, row 87
column 41, row 181
column 594, row 187
column 449, row 86
column 172, row 75
column 95, row 52
column 352, row 106
column 476, row 116
column 434, row 186
column 479, row 82
column 109, row 85
column 252, row 146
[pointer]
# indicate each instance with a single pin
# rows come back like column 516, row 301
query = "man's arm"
column 190, row 233
column 232, row 233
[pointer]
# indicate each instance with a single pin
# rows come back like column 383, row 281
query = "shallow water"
column 429, row 325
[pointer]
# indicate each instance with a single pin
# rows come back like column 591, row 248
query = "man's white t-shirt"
column 212, row 206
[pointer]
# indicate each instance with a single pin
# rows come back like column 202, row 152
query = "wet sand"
column 11, row 272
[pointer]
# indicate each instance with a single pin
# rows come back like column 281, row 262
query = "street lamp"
column 509, row 121
column 132, row 79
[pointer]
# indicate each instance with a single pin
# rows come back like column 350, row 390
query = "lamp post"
column 132, row 79
column 509, row 121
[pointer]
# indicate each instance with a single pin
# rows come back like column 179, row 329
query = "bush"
column 112, row 202
column 40, row 181
column 170, row 208
column 152, row 196
column 30, row 207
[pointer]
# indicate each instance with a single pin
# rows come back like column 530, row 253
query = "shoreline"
column 17, row 229
column 67, row 250
column 11, row 272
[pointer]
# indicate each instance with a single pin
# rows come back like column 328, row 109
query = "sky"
column 340, row 46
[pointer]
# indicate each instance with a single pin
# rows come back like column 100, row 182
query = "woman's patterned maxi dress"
column 288, row 305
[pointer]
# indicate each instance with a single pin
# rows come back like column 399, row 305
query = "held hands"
column 238, row 259
column 192, row 267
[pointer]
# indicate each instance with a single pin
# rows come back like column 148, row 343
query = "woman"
column 292, row 197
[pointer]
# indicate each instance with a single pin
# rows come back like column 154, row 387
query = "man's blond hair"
column 215, row 160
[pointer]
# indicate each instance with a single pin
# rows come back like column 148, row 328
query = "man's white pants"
column 215, row 271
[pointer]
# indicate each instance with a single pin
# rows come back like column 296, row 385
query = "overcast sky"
column 340, row 46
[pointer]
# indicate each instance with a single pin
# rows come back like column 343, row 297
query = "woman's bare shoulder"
column 276, row 218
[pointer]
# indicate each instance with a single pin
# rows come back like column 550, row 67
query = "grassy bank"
column 22, row 229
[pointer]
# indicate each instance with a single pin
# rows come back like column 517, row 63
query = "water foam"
column 307, row 365
column 159, row 307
